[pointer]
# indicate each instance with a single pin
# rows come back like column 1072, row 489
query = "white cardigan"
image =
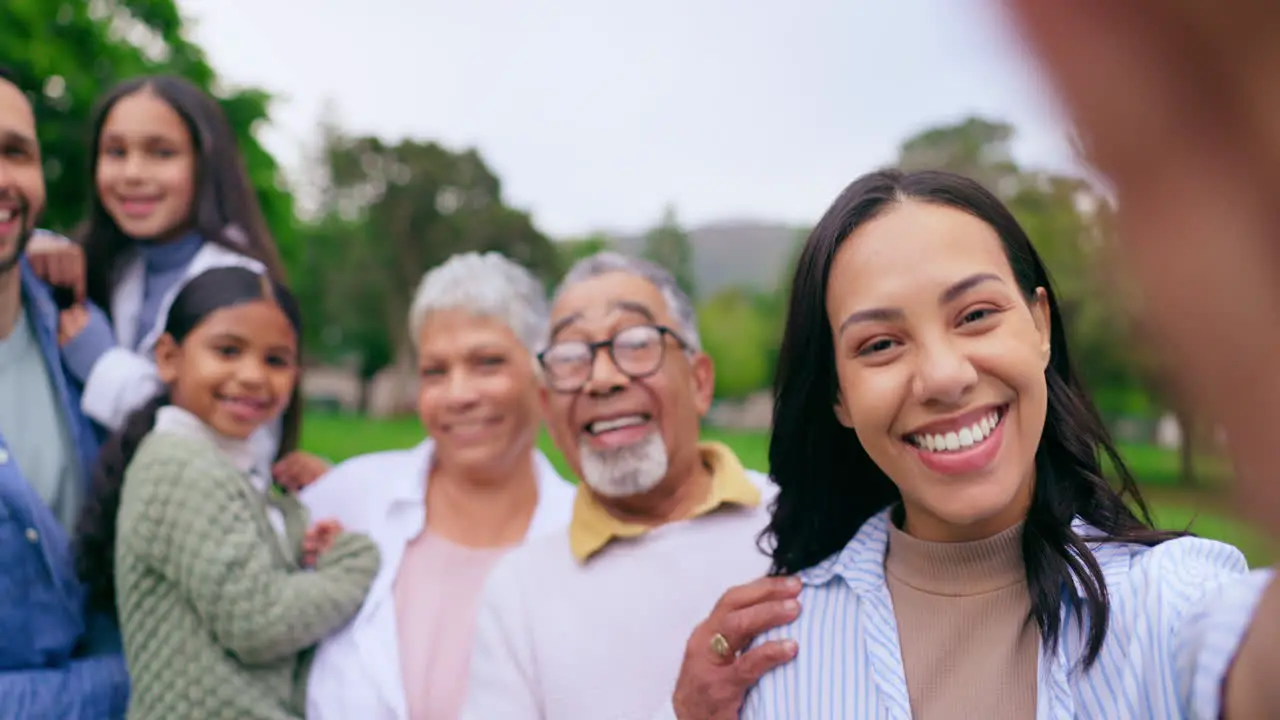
column 356, row 672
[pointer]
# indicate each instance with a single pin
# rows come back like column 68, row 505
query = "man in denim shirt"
column 55, row 662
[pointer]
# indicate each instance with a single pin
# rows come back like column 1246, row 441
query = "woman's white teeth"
column 959, row 439
column 7, row 215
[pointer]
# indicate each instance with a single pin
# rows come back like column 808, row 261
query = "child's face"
column 146, row 168
column 236, row 370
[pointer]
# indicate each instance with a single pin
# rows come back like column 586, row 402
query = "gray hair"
column 608, row 261
column 485, row 284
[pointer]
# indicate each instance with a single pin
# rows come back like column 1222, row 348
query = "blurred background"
column 384, row 136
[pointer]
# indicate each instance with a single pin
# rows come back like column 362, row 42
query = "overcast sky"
column 597, row 114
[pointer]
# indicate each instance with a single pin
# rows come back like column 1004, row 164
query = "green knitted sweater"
column 219, row 621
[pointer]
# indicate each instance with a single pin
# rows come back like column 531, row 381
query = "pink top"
column 437, row 589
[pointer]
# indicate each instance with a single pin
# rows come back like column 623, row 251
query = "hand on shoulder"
column 58, row 261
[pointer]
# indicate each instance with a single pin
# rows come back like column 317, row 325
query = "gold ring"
column 720, row 646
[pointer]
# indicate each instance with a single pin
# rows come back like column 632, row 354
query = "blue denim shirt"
column 55, row 662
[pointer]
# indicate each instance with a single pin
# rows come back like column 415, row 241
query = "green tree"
column 1060, row 214
column 739, row 337
column 976, row 147
column 668, row 245
column 771, row 309
column 388, row 212
column 69, row 52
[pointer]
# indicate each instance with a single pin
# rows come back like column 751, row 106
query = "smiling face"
column 235, row 370
column 22, row 193
column 146, row 165
column 477, row 396
column 941, row 367
column 625, row 433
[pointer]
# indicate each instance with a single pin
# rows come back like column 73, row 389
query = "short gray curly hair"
column 609, row 261
column 487, row 284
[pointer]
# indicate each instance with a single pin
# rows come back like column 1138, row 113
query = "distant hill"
column 737, row 252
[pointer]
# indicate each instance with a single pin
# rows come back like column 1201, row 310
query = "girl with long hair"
column 221, row 588
column 171, row 199
column 942, row 493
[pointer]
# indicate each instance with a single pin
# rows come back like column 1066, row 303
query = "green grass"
column 339, row 437
column 1204, row 512
column 1155, row 466
column 1218, row 525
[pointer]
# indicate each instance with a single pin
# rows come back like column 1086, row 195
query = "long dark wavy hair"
column 829, row 486
column 96, row 531
column 225, row 209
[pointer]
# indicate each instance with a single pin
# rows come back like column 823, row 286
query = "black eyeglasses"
column 637, row 352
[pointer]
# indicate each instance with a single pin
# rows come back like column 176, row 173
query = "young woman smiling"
column 942, row 495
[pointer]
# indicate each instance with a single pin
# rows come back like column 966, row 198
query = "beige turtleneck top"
column 969, row 647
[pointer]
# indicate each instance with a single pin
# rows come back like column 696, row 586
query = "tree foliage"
column 68, row 53
column 976, row 147
column 737, row 334
column 668, row 245
column 389, row 212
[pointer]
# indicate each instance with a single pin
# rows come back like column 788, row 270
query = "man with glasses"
column 594, row 623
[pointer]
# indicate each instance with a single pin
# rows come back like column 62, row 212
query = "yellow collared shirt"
column 592, row 527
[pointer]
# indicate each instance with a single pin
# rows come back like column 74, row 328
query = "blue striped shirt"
column 1167, row 647
column 1212, row 634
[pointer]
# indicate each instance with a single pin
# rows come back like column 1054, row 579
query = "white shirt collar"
column 176, row 420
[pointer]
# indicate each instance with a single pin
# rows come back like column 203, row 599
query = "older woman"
column 443, row 512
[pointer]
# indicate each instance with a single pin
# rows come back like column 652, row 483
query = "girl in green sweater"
column 221, row 587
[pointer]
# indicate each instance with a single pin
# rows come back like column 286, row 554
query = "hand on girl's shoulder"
column 58, row 261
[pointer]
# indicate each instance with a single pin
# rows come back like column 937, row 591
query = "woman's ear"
column 168, row 354
column 1040, row 314
column 842, row 413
